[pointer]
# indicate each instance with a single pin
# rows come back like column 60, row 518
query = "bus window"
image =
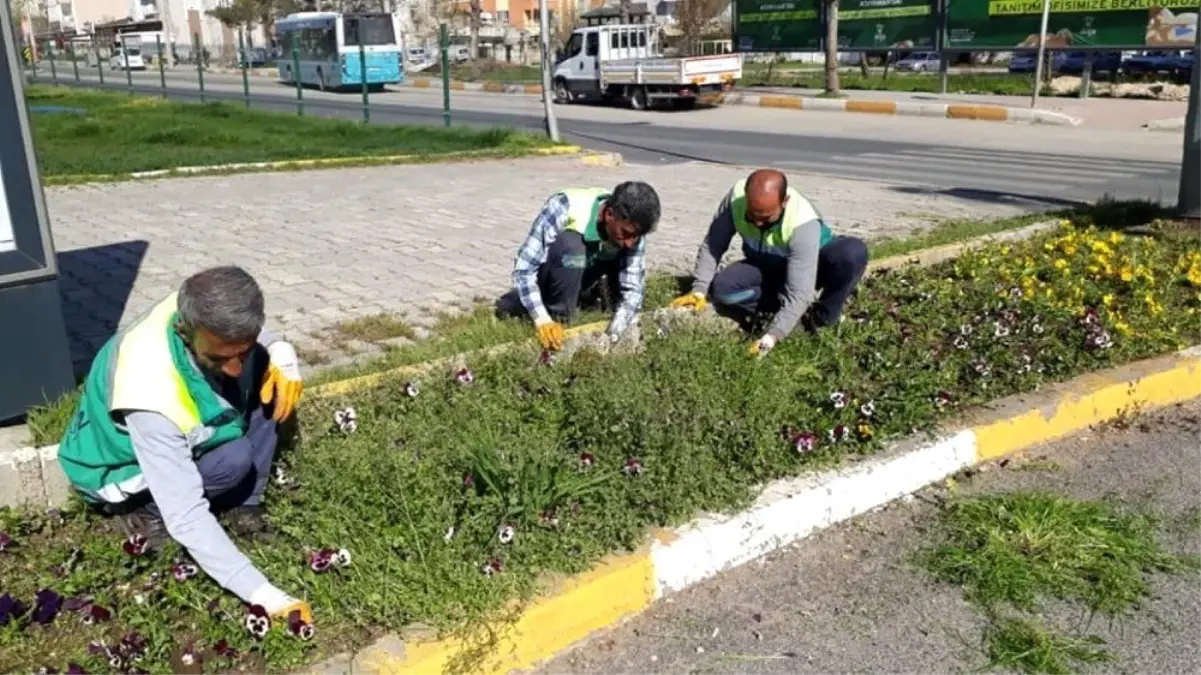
column 375, row 30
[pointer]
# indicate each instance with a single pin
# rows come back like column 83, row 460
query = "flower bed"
column 439, row 502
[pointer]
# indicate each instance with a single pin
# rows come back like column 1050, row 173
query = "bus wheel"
column 637, row 98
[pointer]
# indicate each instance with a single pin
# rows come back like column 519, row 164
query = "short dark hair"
column 636, row 202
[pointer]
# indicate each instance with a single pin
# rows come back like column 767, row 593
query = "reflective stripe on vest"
column 146, row 378
column 774, row 241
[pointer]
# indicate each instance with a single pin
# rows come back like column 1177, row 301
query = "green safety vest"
column 774, row 240
column 144, row 368
column 583, row 207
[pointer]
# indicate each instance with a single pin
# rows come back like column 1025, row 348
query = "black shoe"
column 247, row 521
column 146, row 521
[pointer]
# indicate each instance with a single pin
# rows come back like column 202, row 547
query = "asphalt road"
column 987, row 161
column 849, row 600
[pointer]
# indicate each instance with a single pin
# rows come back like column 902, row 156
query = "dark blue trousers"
column 750, row 288
column 235, row 474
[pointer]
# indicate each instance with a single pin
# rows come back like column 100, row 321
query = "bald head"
column 766, row 197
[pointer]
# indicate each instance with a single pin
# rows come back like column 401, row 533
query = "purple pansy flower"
column 805, row 442
column 11, row 609
column 48, row 605
column 75, row 669
column 6, row 542
column 464, row 376
column 135, row 544
column 190, row 656
column 257, row 621
column 492, row 567
column 96, row 614
column 411, row 390
column 183, row 571
column 587, row 460
column 320, row 561
column 223, row 650
column 300, row 628
column 633, row 467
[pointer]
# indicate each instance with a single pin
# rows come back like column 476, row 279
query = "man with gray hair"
column 177, row 420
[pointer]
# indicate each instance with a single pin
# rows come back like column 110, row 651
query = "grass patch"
column 552, row 450
column 487, row 71
column 1018, row 550
column 1001, row 84
column 123, row 134
column 376, row 328
column 1024, row 646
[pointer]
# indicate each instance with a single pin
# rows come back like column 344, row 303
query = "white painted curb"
column 792, row 509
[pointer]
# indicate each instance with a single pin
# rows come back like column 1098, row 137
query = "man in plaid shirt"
column 579, row 237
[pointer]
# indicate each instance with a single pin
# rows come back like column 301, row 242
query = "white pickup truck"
column 623, row 63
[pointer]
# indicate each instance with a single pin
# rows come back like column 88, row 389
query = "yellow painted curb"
column 419, row 83
column 793, row 102
column 1093, row 399
column 621, row 586
column 532, row 89
column 988, row 113
column 869, row 106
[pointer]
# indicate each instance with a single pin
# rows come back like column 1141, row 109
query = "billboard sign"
column 777, row 25
column 887, row 24
column 1114, row 24
column 35, row 362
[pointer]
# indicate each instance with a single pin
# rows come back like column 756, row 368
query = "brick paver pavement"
column 336, row 244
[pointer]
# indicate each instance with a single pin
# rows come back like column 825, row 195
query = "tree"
column 625, row 11
column 238, row 13
column 832, row 86
column 695, row 18
column 474, row 9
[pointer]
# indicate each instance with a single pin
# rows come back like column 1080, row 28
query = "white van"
column 129, row 58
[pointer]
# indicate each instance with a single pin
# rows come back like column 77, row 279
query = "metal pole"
column 1086, row 76
column 548, row 106
column 50, row 55
column 33, row 52
column 74, row 60
column 1188, row 200
column 296, row 73
column 363, row 76
column 244, row 57
column 162, row 73
column 128, row 70
column 199, row 55
column 444, row 40
column 1042, row 50
column 943, row 67
column 99, row 65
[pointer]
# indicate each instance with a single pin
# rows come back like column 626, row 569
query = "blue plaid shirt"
column 547, row 227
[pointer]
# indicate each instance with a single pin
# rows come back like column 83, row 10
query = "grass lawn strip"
column 458, row 500
column 1015, row 551
column 121, row 134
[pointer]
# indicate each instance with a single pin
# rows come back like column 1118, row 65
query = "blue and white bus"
column 327, row 44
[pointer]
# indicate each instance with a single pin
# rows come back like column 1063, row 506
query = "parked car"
column 254, row 57
column 1151, row 62
column 1107, row 62
column 1182, row 68
column 128, row 59
column 1025, row 62
column 918, row 62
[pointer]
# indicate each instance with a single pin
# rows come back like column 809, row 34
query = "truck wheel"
column 562, row 93
column 637, row 98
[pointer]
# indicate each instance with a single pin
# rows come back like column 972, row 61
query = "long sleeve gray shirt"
column 177, row 487
column 800, row 287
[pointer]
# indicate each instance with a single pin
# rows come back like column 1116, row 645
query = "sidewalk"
column 344, row 243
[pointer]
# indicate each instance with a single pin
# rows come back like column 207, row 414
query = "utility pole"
column 1188, row 200
column 1042, row 53
column 548, row 104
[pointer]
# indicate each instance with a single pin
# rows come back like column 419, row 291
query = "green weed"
column 1025, row 646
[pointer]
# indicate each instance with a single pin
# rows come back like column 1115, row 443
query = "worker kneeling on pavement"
column 580, row 237
column 178, row 419
column 794, row 266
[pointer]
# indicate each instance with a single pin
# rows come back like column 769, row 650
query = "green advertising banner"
column 1129, row 24
column 777, row 25
column 886, row 24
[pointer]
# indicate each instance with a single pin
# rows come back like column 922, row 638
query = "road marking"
column 1084, row 174
column 939, row 180
column 1138, row 166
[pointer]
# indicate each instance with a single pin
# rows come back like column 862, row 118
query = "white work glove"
column 763, row 346
column 283, row 356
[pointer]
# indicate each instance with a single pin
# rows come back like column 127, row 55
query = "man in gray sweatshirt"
column 177, row 420
column 794, row 266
